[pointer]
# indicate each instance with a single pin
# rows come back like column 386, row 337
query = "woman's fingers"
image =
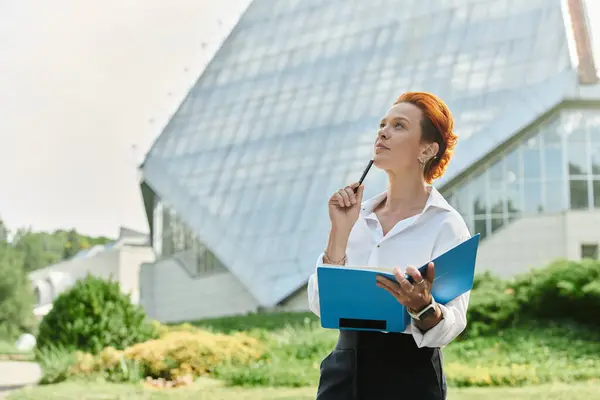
column 405, row 285
column 414, row 273
column 337, row 198
column 392, row 287
column 350, row 192
column 344, row 195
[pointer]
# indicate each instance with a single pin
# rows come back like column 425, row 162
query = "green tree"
column 16, row 294
column 3, row 232
column 41, row 249
column 74, row 244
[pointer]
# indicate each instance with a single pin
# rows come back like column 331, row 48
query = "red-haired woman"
column 408, row 224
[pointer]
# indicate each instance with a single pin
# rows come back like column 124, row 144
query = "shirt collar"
column 435, row 200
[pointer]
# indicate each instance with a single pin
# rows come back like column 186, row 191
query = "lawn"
column 8, row 351
column 205, row 390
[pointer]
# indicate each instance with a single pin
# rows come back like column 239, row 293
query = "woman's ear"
column 431, row 150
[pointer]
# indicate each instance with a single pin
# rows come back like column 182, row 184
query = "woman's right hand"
column 344, row 207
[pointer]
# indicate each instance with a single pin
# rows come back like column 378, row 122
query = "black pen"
column 362, row 178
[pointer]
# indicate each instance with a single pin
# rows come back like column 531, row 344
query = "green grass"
column 523, row 355
column 8, row 351
column 205, row 390
column 256, row 321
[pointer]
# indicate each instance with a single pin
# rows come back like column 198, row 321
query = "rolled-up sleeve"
column 313, row 290
column 454, row 312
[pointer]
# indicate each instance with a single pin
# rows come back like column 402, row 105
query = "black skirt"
column 381, row 366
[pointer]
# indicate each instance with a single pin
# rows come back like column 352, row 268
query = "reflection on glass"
column 461, row 199
column 596, row 186
column 497, row 187
column 553, row 161
column 595, row 153
column 533, row 197
column 481, row 226
column 497, row 222
column 577, row 158
column 554, row 196
column 478, row 195
column 579, row 194
column 531, row 159
column 513, row 197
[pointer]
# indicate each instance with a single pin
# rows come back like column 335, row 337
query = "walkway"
column 16, row 374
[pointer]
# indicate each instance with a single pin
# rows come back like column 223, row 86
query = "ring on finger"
column 421, row 281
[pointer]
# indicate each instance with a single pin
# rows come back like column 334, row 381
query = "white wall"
column 118, row 264
column 131, row 259
column 537, row 241
column 104, row 265
column 169, row 294
column 297, row 302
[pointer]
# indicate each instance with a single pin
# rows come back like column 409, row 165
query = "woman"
column 407, row 225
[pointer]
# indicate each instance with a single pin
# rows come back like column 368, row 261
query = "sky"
column 85, row 88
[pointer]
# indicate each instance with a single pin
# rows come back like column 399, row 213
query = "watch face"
column 428, row 313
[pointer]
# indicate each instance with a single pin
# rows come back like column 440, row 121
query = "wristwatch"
column 424, row 313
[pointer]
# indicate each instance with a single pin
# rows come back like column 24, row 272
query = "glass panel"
column 553, row 158
column 555, row 196
column 595, row 152
column 481, row 227
column 533, row 197
column 514, row 190
column 577, row 153
column 596, row 186
column 497, row 222
column 478, row 195
column 497, row 188
column 531, row 159
column 579, row 194
column 461, row 200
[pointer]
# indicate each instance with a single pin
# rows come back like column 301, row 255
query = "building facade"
column 119, row 261
column 236, row 186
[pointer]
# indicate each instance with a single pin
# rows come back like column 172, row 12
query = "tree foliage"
column 41, row 249
column 16, row 294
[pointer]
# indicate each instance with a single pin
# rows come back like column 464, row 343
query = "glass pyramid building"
column 287, row 112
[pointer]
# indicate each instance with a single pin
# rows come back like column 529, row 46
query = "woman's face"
column 398, row 146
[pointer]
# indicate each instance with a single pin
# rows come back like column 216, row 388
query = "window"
column 589, row 250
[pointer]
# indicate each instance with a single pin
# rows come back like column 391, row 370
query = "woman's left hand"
column 415, row 296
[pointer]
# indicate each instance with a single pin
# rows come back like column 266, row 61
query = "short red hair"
column 436, row 126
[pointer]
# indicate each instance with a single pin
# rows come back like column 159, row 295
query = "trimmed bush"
column 92, row 315
column 176, row 354
column 564, row 289
column 492, row 306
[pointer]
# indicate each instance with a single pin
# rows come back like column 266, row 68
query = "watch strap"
column 424, row 313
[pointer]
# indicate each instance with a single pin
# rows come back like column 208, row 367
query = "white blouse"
column 413, row 241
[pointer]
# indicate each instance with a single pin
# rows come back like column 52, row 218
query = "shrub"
column 178, row 354
column 564, row 289
column 492, row 306
column 92, row 315
column 16, row 295
column 55, row 362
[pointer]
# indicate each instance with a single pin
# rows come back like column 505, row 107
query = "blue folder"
column 350, row 299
